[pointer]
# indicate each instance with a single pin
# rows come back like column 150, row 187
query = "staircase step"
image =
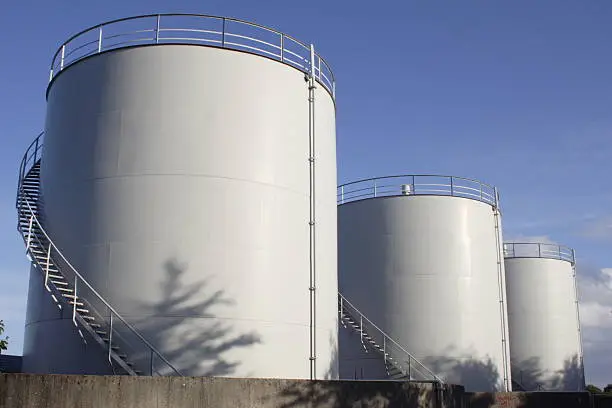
column 66, row 290
column 72, row 302
column 81, row 310
column 58, row 282
column 87, row 317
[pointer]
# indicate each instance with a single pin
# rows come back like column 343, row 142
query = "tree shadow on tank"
column 183, row 328
column 528, row 376
column 473, row 374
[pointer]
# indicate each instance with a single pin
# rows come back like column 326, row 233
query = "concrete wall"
column 60, row 391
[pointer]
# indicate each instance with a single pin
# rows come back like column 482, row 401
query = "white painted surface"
column 543, row 320
column 425, row 269
column 176, row 179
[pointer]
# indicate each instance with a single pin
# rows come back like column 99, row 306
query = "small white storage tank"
column 543, row 317
column 178, row 175
column 421, row 258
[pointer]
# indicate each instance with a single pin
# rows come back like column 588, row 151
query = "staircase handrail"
column 388, row 339
column 23, row 195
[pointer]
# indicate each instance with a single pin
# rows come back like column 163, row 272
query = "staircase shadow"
column 187, row 333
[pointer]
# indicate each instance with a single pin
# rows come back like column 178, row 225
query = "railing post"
column 29, row 241
column 539, row 250
column 62, row 59
column 342, row 194
column 312, row 61
column 559, row 248
column 110, row 336
column 47, row 268
column 157, row 30
column 100, row 39
column 413, row 185
column 152, row 356
column 35, row 150
column 223, row 33
column 451, row 186
column 573, row 256
column 341, row 309
column 319, row 67
column 374, row 188
column 74, row 302
column 480, row 191
column 334, row 89
column 409, row 368
column 282, row 47
column 361, row 327
column 385, row 348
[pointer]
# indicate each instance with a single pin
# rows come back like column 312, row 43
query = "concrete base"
column 67, row 391
column 64, row 391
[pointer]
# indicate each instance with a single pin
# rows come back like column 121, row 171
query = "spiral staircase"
column 96, row 320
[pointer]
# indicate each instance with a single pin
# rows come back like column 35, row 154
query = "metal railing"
column 539, row 250
column 118, row 329
column 389, row 347
column 194, row 29
column 418, row 184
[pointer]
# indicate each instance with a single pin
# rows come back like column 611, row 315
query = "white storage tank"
column 420, row 257
column 543, row 317
column 178, row 177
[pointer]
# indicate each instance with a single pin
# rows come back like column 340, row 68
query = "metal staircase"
column 399, row 363
column 93, row 317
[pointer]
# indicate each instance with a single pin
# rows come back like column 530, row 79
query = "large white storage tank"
column 421, row 258
column 543, row 317
column 178, row 177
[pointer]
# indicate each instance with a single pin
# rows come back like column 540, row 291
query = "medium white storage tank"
column 178, row 177
column 421, row 258
column 543, row 317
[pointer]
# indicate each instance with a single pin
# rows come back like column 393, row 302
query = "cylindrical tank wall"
column 176, row 179
column 544, row 328
column 428, row 271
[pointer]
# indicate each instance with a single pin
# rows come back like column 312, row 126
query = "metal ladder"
column 70, row 291
column 399, row 363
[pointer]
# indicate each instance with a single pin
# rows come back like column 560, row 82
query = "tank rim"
column 409, row 185
column 301, row 56
column 540, row 250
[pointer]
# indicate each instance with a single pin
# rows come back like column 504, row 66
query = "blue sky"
column 517, row 94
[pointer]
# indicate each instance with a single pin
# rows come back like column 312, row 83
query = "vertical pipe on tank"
column 311, row 223
column 580, row 358
column 502, row 290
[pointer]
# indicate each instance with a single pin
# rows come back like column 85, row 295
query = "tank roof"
column 539, row 250
column 417, row 184
column 193, row 29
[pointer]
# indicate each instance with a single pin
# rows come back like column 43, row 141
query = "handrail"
column 23, row 196
column 344, row 301
column 200, row 29
column 539, row 250
column 417, row 184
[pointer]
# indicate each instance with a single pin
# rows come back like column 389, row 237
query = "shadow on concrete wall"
column 528, row 400
column 379, row 394
column 181, row 326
